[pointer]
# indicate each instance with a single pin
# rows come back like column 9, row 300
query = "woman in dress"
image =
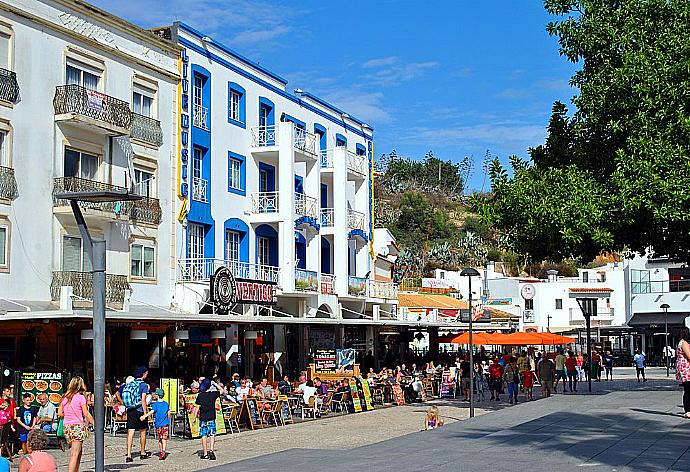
column 75, row 412
column 683, row 368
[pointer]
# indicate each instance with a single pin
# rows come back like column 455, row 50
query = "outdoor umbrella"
column 478, row 339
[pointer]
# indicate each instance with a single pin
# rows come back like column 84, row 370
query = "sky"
column 459, row 78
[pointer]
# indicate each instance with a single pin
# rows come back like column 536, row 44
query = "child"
column 432, row 420
column 528, row 383
column 161, row 409
column 27, row 416
column 207, row 405
column 6, row 425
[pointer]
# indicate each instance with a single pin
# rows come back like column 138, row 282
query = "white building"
column 86, row 104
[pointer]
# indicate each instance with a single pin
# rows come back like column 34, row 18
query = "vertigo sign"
column 226, row 291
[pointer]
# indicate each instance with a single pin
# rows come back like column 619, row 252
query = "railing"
column 76, row 184
column 305, row 141
column 326, row 159
column 146, row 129
column 199, row 187
column 306, row 280
column 96, row 105
column 263, row 136
column 8, row 184
column 201, row 117
column 601, row 314
column 9, row 88
column 387, row 290
column 147, row 210
column 327, row 217
column 356, row 220
column 659, row 286
column 357, row 164
column 357, row 286
column 327, row 284
column 306, row 206
column 82, row 285
column 265, row 202
column 201, row 270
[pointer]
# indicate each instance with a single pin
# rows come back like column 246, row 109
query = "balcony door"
column 75, row 257
column 264, row 250
column 82, row 75
column 80, row 164
column 195, row 241
column 144, row 183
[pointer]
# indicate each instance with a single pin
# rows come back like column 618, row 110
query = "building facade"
column 87, row 105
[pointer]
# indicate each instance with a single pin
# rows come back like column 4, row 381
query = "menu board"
column 367, row 394
column 249, row 413
column 193, row 420
column 171, row 389
column 50, row 383
column 355, row 395
column 325, row 361
column 398, row 394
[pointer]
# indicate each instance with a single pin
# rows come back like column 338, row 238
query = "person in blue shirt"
column 4, row 464
column 161, row 411
column 639, row 361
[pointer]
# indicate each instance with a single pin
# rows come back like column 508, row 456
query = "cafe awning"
column 644, row 320
column 422, row 300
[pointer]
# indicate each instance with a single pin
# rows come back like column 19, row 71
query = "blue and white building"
column 275, row 185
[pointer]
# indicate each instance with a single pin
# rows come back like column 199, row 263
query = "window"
column 263, row 250
column 361, row 150
column 559, row 304
column 4, row 246
column 143, row 261
column 340, row 140
column 232, row 245
column 236, row 173
column 264, row 115
column 195, row 241
column 263, row 180
column 75, row 257
column 197, row 159
column 80, row 164
column 144, row 183
column 197, row 92
column 585, row 276
column 601, row 276
column 236, row 104
column 142, row 103
column 4, row 158
column 78, row 74
column 529, row 304
column 5, row 50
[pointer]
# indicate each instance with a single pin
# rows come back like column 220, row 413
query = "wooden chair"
column 273, row 413
column 325, row 404
column 117, row 422
column 428, row 387
column 231, row 414
column 338, row 402
column 308, row 408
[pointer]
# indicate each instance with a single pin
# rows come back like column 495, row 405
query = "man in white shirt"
column 639, row 361
column 47, row 414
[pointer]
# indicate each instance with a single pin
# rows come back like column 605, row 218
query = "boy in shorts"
column 161, row 410
column 207, row 405
column 26, row 419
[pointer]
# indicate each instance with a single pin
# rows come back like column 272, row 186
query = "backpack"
column 130, row 395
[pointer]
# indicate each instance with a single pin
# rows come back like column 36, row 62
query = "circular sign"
column 528, row 291
column 223, row 289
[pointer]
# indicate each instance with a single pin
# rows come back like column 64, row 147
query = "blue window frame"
column 237, row 174
column 340, row 140
column 361, row 150
column 237, row 114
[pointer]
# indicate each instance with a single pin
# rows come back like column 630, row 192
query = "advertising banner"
column 50, row 383
column 171, row 395
column 193, row 420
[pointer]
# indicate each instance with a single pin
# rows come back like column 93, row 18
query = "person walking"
column 639, row 360
column 683, row 368
column 595, row 367
column 134, row 399
column 560, row 370
column 75, row 414
column 207, row 406
column 546, row 370
column 511, row 376
column 37, row 460
column 608, row 365
column 579, row 364
column 495, row 380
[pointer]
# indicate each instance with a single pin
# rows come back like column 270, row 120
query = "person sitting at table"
column 343, row 387
column 284, row 386
column 371, row 376
column 403, row 370
column 308, row 390
column 414, row 370
column 235, row 382
column 390, row 377
column 263, row 390
column 321, row 387
column 242, row 391
column 431, row 368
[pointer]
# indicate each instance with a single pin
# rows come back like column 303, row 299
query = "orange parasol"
column 479, row 338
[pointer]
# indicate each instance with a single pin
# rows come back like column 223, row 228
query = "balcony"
column 357, row 286
column 76, row 184
column 357, row 166
column 305, row 142
column 603, row 314
column 326, row 159
column 82, row 286
column 8, row 184
column 201, row 270
column 327, row 217
column 200, row 117
column 93, row 110
column 264, row 202
column 264, row 136
column 356, row 220
column 306, row 280
column 147, row 130
column 147, row 210
column 660, row 286
column 9, row 88
column 199, row 188
column 385, row 290
column 306, row 206
column 328, row 284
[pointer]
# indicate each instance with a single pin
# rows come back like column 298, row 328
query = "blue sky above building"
column 458, row 78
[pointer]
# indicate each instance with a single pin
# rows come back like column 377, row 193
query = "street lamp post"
column 665, row 307
column 471, row 272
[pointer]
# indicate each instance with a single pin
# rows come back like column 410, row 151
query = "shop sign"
column 479, row 316
column 354, row 391
column 497, row 301
column 430, row 282
column 528, row 316
column 325, row 361
column 226, row 290
column 193, row 419
column 50, row 383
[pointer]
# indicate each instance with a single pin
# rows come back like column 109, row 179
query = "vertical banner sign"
column 398, row 394
column 355, row 395
column 190, row 407
column 183, row 111
column 367, row 394
column 372, row 201
column 171, row 395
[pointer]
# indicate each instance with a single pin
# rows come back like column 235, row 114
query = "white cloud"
column 251, row 37
column 400, row 73
column 367, row 106
column 383, row 61
column 511, row 135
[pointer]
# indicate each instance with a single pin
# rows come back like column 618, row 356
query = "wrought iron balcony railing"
column 356, row 220
column 306, row 205
column 264, row 136
column 305, row 141
column 265, row 202
column 326, row 159
column 201, row 270
column 95, row 105
column 146, row 129
column 8, row 184
column 357, row 164
column 147, row 210
column 82, row 285
column 199, row 188
column 386, row 290
column 9, row 88
column 76, row 184
column 327, row 217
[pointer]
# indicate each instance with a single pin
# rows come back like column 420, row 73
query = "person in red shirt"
column 571, row 370
column 495, row 380
column 528, row 383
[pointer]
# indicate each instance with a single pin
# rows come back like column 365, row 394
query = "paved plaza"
column 625, row 426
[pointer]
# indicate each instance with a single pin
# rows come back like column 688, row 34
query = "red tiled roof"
column 591, row 289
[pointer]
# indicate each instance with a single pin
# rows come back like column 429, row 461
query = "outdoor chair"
column 308, row 408
column 325, row 404
column 230, row 414
column 273, row 413
column 117, row 422
column 338, row 403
